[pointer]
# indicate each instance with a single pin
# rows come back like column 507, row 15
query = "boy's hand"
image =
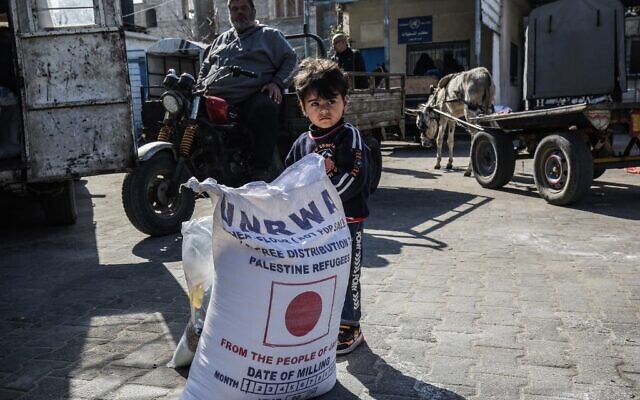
column 329, row 165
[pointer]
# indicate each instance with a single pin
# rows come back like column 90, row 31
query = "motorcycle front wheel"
column 150, row 204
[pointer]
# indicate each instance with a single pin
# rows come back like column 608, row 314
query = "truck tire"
column 563, row 168
column 375, row 162
column 145, row 200
column 60, row 205
column 493, row 159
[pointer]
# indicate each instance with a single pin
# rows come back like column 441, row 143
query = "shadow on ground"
column 604, row 197
column 382, row 381
column 66, row 318
column 418, row 213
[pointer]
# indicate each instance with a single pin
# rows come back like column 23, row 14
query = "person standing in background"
column 348, row 59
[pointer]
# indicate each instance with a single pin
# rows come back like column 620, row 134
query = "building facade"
column 424, row 39
column 429, row 38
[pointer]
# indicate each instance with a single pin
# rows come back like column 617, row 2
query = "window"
column 64, row 13
column 289, row 8
column 437, row 59
column 150, row 18
column 513, row 65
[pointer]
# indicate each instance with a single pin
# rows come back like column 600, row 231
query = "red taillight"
column 217, row 109
column 634, row 126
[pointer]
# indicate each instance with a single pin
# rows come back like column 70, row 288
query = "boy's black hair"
column 322, row 76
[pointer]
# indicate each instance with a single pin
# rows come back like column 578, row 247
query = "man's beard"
column 241, row 26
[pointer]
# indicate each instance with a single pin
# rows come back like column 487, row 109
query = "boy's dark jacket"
column 345, row 146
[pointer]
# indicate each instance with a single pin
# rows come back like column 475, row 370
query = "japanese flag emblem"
column 299, row 313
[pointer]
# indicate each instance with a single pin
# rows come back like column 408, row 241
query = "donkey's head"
column 427, row 120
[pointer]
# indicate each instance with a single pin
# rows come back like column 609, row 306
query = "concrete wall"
column 169, row 16
column 513, row 13
column 453, row 20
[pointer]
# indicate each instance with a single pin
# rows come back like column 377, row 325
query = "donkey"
column 465, row 94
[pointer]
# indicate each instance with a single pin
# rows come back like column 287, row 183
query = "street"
column 468, row 293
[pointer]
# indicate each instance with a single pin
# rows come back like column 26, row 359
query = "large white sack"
column 273, row 318
column 197, row 264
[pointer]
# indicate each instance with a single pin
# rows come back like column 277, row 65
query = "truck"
column 65, row 100
column 577, row 122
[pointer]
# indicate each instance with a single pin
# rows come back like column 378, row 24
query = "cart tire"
column 493, row 159
column 60, row 207
column 375, row 162
column 145, row 201
column 563, row 168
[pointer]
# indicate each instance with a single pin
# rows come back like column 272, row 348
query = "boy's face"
column 323, row 113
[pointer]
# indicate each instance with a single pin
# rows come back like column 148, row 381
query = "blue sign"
column 415, row 30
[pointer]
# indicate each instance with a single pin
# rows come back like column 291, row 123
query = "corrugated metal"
column 135, row 76
column 492, row 14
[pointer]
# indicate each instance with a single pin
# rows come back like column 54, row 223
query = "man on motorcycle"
column 260, row 49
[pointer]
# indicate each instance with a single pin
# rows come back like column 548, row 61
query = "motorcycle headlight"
column 171, row 103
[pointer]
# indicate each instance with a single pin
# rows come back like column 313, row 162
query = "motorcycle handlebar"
column 222, row 73
column 235, row 71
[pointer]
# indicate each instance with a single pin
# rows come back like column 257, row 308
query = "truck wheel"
column 563, row 168
column 60, row 205
column 493, row 159
column 375, row 162
column 146, row 201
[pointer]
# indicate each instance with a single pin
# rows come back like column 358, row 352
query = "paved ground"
column 468, row 294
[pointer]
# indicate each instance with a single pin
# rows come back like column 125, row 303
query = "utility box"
column 576, row 48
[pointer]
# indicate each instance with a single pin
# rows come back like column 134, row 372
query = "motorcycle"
column 201, row 135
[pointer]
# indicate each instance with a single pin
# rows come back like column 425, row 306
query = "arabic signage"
column 415, row 30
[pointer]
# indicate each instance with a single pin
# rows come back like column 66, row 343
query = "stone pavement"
column 469, row 293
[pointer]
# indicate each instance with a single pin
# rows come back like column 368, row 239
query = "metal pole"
column 307, row 50
column 478, row 36
column 387, row 57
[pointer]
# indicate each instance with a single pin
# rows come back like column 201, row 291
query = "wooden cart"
column 570, row 146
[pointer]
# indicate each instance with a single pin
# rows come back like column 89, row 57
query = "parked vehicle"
column 577, row 125
column 219, row 147
column 67, row 109
column 201, row 136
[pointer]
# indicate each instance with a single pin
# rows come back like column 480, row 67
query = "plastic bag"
column 197, row 263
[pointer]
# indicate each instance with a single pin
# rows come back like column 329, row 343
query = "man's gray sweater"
column 260, row 49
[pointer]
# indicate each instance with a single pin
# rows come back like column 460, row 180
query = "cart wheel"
column 493, row 159
column 563, row 168
column 375, row 162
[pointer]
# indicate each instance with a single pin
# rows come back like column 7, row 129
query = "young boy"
column 321, row 87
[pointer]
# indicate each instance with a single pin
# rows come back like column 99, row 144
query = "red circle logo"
column 303, row 313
